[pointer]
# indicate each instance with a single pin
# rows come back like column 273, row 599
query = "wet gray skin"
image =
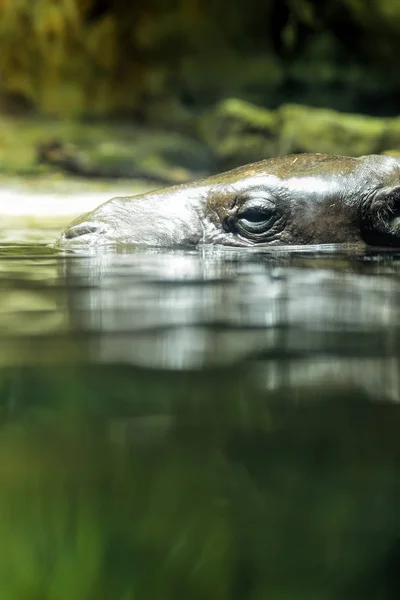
column 297, row 199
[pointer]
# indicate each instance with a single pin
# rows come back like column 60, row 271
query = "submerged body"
column 296, row 199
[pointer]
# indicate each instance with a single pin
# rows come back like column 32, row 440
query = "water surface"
column 198, row 424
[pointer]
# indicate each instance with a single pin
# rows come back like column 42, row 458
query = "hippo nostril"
column 83, row 229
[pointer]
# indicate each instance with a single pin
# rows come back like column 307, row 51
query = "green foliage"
column 55, row 58
column 71, row 57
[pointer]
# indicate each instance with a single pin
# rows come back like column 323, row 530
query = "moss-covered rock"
column 305, row 129
column 392, row 152
column 391, row 138
column 238, row 132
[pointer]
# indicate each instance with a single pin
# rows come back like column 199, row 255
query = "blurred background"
column 213, row 424
column 233, row 82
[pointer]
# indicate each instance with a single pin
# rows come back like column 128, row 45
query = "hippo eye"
column 254, row 215
column 255, row 218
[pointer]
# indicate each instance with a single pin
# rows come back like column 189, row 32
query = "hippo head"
column 297, row 199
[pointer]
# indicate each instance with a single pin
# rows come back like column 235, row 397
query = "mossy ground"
column 100, row 149
column 232, row 133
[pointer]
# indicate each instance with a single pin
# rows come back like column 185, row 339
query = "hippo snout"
column 167, row 219
column 87, row 233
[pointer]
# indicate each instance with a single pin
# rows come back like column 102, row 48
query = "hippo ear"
column 385, row 204
column 380, row 218
column 388, row 194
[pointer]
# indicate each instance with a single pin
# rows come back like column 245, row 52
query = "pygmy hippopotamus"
column 297, row 199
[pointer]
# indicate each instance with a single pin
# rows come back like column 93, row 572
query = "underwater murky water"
column 204, row 424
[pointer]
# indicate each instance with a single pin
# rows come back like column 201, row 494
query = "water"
column 201, row 424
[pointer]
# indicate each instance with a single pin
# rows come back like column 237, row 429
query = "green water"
column 199, row 425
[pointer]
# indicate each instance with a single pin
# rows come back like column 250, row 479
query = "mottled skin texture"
column 297, row 199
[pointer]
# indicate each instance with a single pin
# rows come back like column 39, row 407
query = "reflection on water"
column 301, row 319
column 203, row 424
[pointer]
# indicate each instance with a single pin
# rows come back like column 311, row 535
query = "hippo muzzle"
column 297, row 199
column 165, row 219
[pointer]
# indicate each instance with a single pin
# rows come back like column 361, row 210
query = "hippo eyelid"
column 251, row 206
column 254, row 194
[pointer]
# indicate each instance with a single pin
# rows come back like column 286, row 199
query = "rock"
column 238, row 132
column 305, row 129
